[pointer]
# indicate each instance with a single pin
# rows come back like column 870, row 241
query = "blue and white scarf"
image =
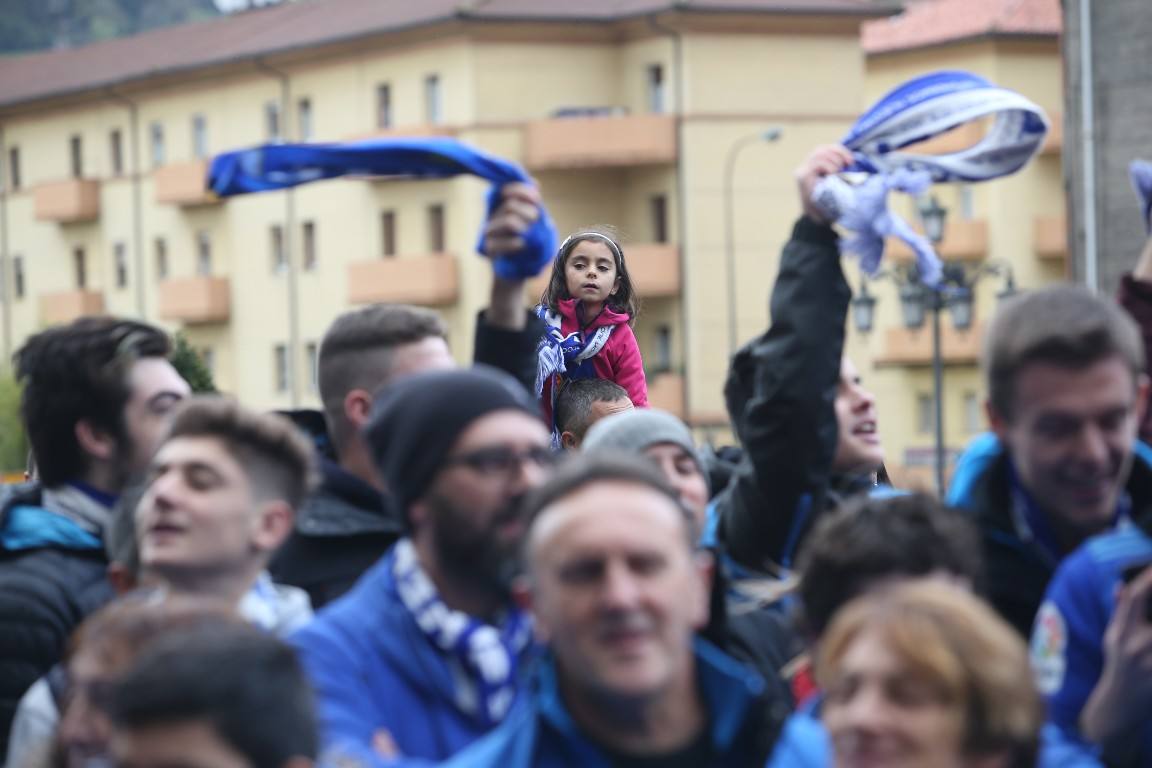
column 924, row 107
column 570, row 356
column 490, row 656
column 1140, row 171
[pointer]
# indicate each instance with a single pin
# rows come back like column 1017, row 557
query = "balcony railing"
column 196, row 300
column 68, row 201
column 431, row 280
column 905, row 346
column 183, row 184
column 666, row 391
column 63, row 307
column 600, row 141
column 1050, row 237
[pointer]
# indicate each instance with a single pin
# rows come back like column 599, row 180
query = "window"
column 203, row 254
column 156, row 134
column 308, row 245
column 76, row 150
column 658, row 210
column 433, row 113
column 14, row 167
column 120, row 256
column 388, row 233
column 160, row 249
column 18, row 276
column 80, row 268
column 208, row 357
column 663, row 349
column 925, row 414
column 436, row 228
column 384, row 106
column 272, row 122
column 973, row 414
column 279, row 255
column 967, row 202
column 280, row 367
column 116, row 152
column 199, row 137
column 304, row 119
column 656, row 89
column 313, row 352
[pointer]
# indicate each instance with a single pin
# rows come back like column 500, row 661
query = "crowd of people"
column 522, row 564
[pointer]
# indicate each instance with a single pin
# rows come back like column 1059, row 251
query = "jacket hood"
column 345, row 505
column 607, row 316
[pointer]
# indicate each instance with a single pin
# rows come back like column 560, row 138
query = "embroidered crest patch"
column 1049, row 642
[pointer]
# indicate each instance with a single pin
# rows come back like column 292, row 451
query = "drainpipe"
column 6, row 292
column 1088, row 145
column 681, row 200
column 137, row 176
column 289, row 238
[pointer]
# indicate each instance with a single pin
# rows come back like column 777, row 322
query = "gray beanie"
column 634, row 431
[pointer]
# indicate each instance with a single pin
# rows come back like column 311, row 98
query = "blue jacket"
column 374, row 670
column 1067, row 642
column 541, row 734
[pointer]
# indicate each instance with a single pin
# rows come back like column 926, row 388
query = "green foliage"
column 190, row 365
column 13, row 443
column 33, row 26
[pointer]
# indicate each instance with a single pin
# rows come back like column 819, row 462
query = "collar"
column 729, row 690
column 97, row 495
column 608, row 316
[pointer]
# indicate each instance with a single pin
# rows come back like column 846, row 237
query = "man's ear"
column 568, row 441
column 95, row 442
column 705, row 572
column 357, row 408
column 273, row 525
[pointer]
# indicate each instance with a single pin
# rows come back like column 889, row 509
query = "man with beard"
column 427, row 652
column 97, row 394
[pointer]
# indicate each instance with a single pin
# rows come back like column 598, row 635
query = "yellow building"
column 104, row 151
column 1019, row 220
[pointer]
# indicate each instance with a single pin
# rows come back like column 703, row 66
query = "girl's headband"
column 595, row 235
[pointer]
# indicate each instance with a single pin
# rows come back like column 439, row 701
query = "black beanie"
column 416, row 421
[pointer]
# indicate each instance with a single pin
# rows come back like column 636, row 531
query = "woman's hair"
column 623, row 299
column 969, row 655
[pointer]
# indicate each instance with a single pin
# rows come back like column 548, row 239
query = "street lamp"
column 767, row 136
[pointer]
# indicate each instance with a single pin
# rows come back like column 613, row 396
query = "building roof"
column 308, row 23
column 931, row 22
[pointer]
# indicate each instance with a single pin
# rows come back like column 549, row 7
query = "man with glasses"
column 428, row 651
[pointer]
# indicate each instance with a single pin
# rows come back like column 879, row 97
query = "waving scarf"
column 279, row 166
column 1140, row 171
column 920, row 109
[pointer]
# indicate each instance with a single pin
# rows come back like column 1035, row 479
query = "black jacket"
column 45, row 592
column 781, row 394
column 346, row 525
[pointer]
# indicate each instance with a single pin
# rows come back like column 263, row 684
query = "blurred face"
column 683, row 473
column 617, row 591
column 84, row 726
column 156, row 389
column 199, row 511
column 880, row 715
column 181, row 744
column 1071, row 437
column 590, row 272
column 472, row 512
column 858, row 445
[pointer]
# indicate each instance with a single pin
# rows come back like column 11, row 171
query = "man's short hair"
column 575, row 401
column 276, row 456
column 79, row 372
column 356, row 352
column 582, row 470
column 869, row 540
column 246, row 684
column 1065, row 325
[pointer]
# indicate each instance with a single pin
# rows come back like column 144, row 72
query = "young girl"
column 589, row 305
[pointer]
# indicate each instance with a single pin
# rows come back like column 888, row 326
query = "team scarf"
column 561, row 358
column 1140, row 172
column 490, row 656
column 920, row 109
column 280, row 166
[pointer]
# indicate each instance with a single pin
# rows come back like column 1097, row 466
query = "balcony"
column 184, row 184
column 599, row 142
column 63, row 307
column 914, row 347
column 654, row 268
column 1054, row 141
column 964, row 240
column 666, row 391
column 1050, row 237
column 196, row 300
column 430, row 281
column 68, row 201
column 423, row 130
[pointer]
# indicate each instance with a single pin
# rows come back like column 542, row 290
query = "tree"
column 190, row 365
column 13, row 442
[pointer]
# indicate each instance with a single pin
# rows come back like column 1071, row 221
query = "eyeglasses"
column 502, row 460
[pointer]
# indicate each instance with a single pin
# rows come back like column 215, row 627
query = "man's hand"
column 825, row 160
column 518, row 211
column 1119, row 702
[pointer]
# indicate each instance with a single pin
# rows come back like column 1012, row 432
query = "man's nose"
column 620, row 590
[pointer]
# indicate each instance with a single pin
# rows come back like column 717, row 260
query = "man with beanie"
column 427, row 652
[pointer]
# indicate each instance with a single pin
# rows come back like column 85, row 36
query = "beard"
column 471, row 551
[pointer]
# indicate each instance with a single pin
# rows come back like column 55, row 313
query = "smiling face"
column 858, row 447
column 590, row 273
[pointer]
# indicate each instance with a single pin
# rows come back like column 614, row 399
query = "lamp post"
column 768, row 135
column 955, row 293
